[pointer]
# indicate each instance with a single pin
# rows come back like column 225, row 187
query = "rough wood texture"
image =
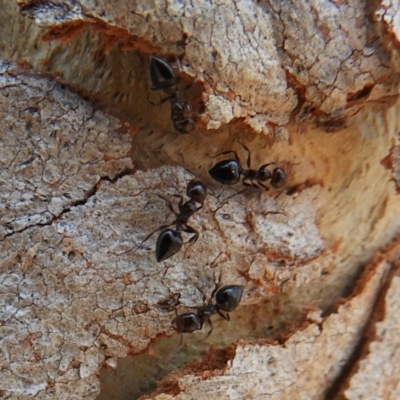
column 73, row 277
column 378, row 372
column 321, row 57
column 77, row 196
column 304, row 367
column 55, row 150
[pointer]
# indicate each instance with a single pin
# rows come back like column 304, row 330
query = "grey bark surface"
column 315, row 55
column 311, row 87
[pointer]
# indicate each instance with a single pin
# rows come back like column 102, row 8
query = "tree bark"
column 309, row 86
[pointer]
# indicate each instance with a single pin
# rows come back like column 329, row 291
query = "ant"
column 164, row 77
column 227, row 299
column 170, row 241
column 228, row 172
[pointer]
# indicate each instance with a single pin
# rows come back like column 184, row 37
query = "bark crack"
column 366, row 336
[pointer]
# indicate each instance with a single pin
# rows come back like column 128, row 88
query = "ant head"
column 228, row 297
column 226, row 172
column 162, row 74
column 187, row 322
column 196, row 190
column 179, row 108
column 183, row 124
column 278, row 178
column 168, row 243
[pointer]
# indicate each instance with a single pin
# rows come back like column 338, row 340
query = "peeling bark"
column 377, row 370
column 321, row 58
column 78, row 194
column 303, row 367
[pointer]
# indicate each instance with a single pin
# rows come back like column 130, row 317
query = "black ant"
column 164, row 77
column 227, row 299
column 170, row 241
column 228, row 172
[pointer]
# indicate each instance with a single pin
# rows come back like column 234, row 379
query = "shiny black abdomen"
column 169, row 242
column 226, row 172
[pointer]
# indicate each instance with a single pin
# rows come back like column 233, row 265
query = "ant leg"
column 228, row 152
column 211, row 328
column 250, row 184
column 151, row 234
column 230, row 197
column 193, row 239
column 198, row 208
column 213, row 264
column 188, row 86
column 283, row 189
column 204, row 295
column 169, row 204
column 226, row 317
column 266, row 188
column 267, row 165
column 217, row 286
column 248, row 155
column 162, row 101
column 178, row 196
column 180, row 341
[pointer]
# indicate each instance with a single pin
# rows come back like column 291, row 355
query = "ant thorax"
column 187, row 210
column 249, row 174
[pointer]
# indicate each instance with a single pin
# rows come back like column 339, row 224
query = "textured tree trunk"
column 86, row 146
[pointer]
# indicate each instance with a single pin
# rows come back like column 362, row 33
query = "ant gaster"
column 228, row 172
column 164, row 77
column 227, row 299
column 170, row 240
